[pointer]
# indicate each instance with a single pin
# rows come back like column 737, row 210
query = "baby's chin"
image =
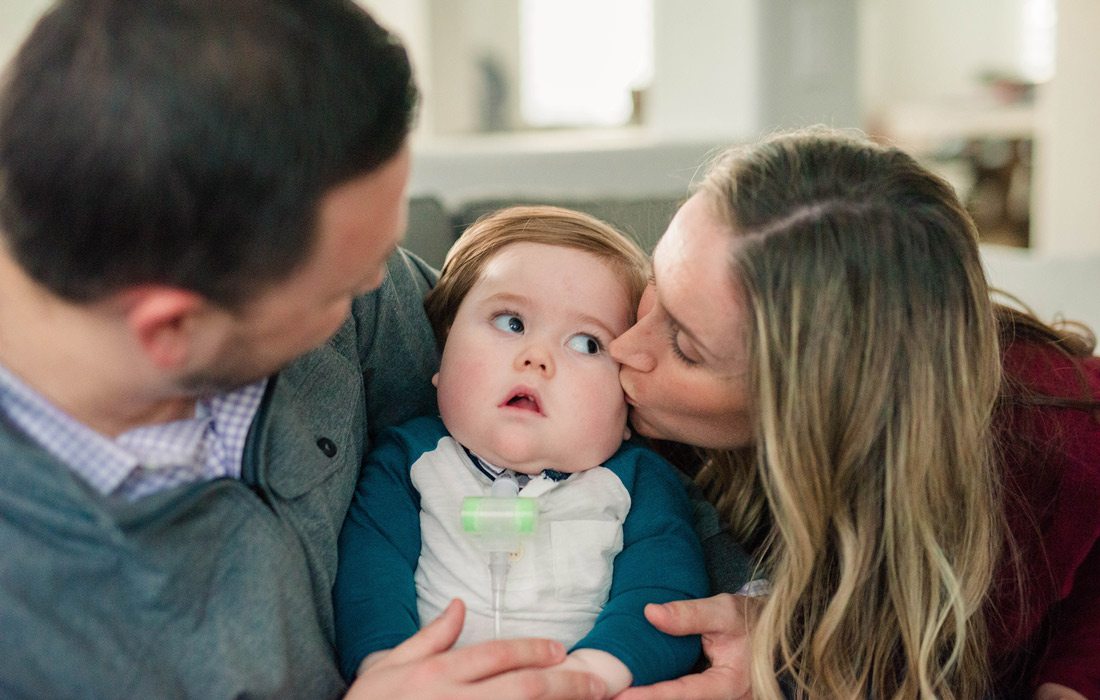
column 519, row 461
column 518, row 456
column 509, row 450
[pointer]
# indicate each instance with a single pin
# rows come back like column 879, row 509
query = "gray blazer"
column 218, row 589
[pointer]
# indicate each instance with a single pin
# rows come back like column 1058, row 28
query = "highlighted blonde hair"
column 549, row 225
column 870, row 494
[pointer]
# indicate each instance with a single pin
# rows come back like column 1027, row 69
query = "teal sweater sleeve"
column 661, row 561
column 374, row 596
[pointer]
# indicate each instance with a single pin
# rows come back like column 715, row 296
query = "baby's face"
column 526, row 381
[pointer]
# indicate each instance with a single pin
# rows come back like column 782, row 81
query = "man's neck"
column 80, row 357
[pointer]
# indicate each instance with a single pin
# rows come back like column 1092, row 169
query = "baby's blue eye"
column 584, row 343
column 509, row 323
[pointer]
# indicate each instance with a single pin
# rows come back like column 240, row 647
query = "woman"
column 915, row 469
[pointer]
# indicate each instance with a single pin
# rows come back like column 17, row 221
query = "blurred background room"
column 611, row 106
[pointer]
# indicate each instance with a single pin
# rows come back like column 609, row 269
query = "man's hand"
column 426, row 667
column 722, row 621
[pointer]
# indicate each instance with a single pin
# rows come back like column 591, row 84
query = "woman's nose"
column 535, row 357
column 631, row 349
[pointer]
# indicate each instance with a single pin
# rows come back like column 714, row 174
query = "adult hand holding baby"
column 722, row 620
column 425, row 666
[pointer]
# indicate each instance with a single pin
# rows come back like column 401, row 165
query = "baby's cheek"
column 454, row 384
column 613, row 408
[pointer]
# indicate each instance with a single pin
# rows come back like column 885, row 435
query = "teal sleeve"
column 374, row 597
column 661, row 561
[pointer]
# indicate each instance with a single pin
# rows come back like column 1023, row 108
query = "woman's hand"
column 425, row 667
column 722, row 621
column 1053, row 691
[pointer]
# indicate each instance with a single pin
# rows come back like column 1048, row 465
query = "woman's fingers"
column 716, row 683
column 721, row 620
column 721, row 613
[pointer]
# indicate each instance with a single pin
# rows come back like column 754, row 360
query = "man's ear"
column 162, row 319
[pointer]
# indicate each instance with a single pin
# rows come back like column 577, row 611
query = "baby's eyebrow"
column 507, row 298
column 587, row 319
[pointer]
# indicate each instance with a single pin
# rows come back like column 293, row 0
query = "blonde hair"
column 869, row 494
column 529, row 224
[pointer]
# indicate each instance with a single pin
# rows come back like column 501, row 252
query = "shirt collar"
column 93, row 456
column 105, row 463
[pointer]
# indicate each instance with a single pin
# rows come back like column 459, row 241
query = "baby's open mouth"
column 523, row 400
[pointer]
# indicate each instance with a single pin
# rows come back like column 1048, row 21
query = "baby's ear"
column 435, row 380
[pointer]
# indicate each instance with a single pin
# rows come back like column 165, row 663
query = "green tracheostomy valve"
column 486, row 515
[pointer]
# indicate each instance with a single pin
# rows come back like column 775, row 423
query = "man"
column 194, row 195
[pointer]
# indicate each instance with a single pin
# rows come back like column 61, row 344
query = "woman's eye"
column 677, row 351
column 509, row 323
column 586, row 344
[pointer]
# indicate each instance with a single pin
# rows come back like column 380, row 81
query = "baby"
column 524, row 309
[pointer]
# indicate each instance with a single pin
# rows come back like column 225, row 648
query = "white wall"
column 706, row 66
column 16, row 19
column 809, row 64
column 1053, row 285
column 1066, row 212
column 926, row 50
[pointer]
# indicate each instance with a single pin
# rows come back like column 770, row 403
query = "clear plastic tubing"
column 498, row 522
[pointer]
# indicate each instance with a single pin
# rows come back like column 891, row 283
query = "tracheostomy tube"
column 498, row 523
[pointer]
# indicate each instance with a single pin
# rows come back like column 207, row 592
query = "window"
column 581, row 61
column 1040, row 18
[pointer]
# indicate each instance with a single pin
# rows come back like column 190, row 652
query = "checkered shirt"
column 146, row 459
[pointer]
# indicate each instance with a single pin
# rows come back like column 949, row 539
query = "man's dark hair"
column 188, row 142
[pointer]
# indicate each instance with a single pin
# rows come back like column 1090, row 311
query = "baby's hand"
column 602, row 664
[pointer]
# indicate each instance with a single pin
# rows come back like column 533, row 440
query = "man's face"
column 360, row 223
column 526, row 381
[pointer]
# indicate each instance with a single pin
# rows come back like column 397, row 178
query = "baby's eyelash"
column 505, row 312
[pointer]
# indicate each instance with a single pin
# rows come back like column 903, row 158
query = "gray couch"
column 433, row 227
